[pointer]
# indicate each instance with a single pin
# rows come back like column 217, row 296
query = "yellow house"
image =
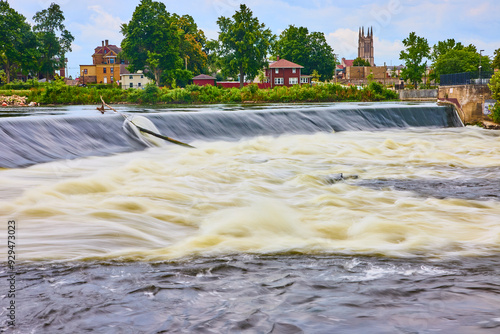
column 106, row 67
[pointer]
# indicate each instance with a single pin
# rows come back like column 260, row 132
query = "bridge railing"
column 466, row 78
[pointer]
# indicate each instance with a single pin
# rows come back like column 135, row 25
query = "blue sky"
column 476, row 22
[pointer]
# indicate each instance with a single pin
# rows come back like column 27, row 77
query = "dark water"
column 396, row 227
column 261, row 294
column 471, row 189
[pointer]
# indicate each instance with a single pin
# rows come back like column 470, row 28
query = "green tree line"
column 446, row 57
column 32, row 51
column 171, row 48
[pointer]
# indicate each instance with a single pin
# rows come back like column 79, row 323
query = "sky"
column 470, row 22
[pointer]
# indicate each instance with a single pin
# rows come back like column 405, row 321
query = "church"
column 365, row 45
column 348, row 71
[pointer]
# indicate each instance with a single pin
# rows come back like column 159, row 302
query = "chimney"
column 102, row 43
column 277, row 58
column 106, row 42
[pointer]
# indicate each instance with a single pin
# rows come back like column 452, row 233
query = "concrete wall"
column 362, row 72
column 469, row 99
column 418, row 94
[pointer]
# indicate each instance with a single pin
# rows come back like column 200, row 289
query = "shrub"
column 495, row 93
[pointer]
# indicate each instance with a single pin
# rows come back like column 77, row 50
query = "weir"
column 26, row 141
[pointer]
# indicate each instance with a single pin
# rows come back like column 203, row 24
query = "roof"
column 283, row 63
column 203, row 77
column 349, row 62
column 123, row 69
column 109, row 47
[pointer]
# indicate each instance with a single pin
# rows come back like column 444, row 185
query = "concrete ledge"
column 418, row 94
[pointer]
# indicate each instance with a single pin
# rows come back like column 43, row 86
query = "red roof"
column 349, row 62
column 283, row 63
column 203, row 77
column 110, row 47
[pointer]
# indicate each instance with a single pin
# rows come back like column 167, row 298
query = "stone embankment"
column 15, row 100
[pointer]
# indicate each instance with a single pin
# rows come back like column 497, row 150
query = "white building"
column 134, row 80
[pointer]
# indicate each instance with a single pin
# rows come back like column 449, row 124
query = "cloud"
column 386, row 51
column 344, row 42
column 102, row 25
column 76, row 47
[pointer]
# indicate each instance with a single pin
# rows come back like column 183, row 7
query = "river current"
column 364, row 218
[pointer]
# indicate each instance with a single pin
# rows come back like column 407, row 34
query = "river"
column 315, row 218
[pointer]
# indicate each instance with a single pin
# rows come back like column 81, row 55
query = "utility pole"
column 480, row 56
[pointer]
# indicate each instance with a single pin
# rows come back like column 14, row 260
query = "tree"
column 417, row 49
column 459, row 61
column 496, row 59
column 54, row 40
column 307, row 49
column 244, row 44
column 495, row 93
column 321, row 57
column 443, row 47
column 293, row 45
column 315, row 76
column 192, row 43
column 151, row 42
column 17, row 42
column 212, row 51
column 360, row 62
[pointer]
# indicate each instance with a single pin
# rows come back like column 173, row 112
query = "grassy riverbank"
column 59, row 93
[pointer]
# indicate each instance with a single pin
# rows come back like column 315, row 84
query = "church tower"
column 365, row 45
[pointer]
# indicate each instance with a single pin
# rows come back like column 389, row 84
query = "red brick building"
column 285, row 73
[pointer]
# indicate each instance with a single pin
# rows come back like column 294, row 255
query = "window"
column 112, row 69
column 278, row 81
column 304, row 80
column 104, row 70
column 293, row 81
column 139, row 84
column 294, row 70
column 130, row 77
column 111, row 61
column 85, row 71
column 142, row 76
column 277, row 71
column 131, row 85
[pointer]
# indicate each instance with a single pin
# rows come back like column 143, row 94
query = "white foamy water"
column 260, row 195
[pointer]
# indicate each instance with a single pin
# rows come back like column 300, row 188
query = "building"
column 134, row 80
column 203, row 79
column 365, row 45
column 285, row 73
column 106, row 65
column 362, row 72
column 394, row 71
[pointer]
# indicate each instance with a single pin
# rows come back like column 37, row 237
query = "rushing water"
column 357, row 218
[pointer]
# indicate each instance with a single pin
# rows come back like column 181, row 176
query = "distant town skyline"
column 92, row 21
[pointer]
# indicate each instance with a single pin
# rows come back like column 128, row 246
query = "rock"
column 334, row 178
column 13, row 100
